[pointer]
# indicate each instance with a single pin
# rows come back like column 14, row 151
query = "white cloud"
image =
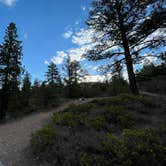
column 83, row 41
column 83, row 37
column 8, row 2
column 59, row 58
column 149, row 60
column 67, row 34
column 161, row 32
column 94, row 78
column 83, row 8
column 46, row 62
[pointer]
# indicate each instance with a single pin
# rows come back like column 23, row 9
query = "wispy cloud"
column 46, row 62
column 8, row 2
column 83, row 39
column 94, row 78
column 67, row 34
column 59, row 58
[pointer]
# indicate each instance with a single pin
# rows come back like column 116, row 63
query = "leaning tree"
column 124, row 29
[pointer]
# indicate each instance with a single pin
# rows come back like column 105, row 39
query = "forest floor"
column 15, row 136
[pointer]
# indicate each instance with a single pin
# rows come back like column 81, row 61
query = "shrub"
column 80, row 108
column 85, row 160
column 135, row 148
column 96, row 122
column 118, row 116
column 125, row 99
column 43, row 139
column 90, row 160
column 67, row 119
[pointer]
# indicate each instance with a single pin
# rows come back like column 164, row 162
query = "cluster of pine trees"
column 18, row 96
column 123, row 33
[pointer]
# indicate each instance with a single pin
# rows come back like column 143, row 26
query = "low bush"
column 118, row 116
column 43, row 140
column 135, row 148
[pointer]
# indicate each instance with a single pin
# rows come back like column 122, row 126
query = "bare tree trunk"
column 130, row 69
column 128, row 58
column 3, row 105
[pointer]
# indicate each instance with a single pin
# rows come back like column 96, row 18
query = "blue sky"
column 45, row 27
column 51, row 30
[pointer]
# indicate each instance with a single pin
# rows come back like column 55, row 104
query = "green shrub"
column 80, row 108
column 135, row 148
column 85, row 160
column 118, row 116
column 96, row 122
column 65, row 118
column 43, row 139
column 93, row 159
column 124, row 99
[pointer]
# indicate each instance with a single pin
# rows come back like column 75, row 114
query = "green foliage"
column 101, row 133
column 52, row 75
column 80, row 108
column 125, row 99
column 26, row 84
column 152, row 78
column 73, row 74
column 96, row 122
column 89, row 160
column 76, row 116
column 118, row 116
column 85, row 160
column 118, row 85
column 10, row 67
column 135, row 147
column 43, row 139
column 69, row 119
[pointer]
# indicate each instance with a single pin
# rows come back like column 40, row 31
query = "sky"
column 49, row 30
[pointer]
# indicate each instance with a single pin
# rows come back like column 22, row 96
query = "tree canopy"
column 123, row 29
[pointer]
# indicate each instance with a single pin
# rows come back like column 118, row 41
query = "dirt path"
column 14, row 137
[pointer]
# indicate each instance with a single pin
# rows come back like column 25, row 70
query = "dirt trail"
column 14, row 137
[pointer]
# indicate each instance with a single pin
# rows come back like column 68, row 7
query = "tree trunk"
column 130, row 69
column 131, row 75
column 3, row 105
column 129, row 63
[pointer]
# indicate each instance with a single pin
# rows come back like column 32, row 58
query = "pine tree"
column 123, row 27
column 26, row 83
column 10, row 65
column 74, row 74
column 36, row 84
column 52, row 75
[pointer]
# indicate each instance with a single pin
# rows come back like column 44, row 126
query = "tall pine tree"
column 73, row 74
column 10, row 66
column 52, row 75
column 124, row 27
column 26, row 83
